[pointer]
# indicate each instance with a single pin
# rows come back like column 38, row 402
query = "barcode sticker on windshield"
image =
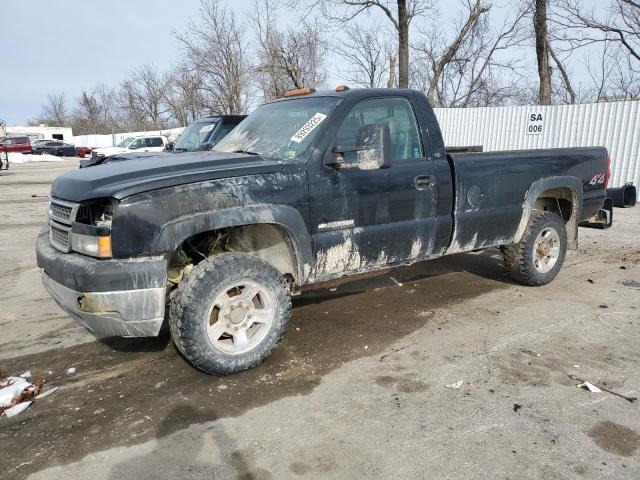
column 308, row 127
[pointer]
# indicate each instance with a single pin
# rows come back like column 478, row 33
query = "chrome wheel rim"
column 240, row 317
column 546, row 250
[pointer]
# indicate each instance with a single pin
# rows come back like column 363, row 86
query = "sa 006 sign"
column 535, row 124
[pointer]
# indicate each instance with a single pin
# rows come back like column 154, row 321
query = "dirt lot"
column 357, row 389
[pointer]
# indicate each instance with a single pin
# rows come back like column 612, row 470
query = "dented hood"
column 121, row 179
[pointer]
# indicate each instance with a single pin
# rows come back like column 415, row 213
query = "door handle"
column 422, row 182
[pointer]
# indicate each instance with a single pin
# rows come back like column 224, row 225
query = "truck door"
column 364, row 217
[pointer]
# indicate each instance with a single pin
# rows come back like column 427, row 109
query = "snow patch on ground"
column 15, row 158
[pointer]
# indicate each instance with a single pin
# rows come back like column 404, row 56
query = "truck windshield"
column 194, row 135
column 280, row 130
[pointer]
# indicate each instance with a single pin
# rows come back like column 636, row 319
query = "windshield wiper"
column 248, row 152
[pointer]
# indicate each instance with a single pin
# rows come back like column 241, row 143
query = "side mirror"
column 206, row 146
column 373, row 143
column 169, row 147
column 373, row 148
column 132, row 147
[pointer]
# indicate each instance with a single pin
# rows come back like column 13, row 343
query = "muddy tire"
column 229, row 313
column 538, row 257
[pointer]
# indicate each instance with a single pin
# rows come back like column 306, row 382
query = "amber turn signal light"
column 300, row 91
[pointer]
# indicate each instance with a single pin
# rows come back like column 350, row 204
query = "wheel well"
column 557, row 200
column 269, row 242
column 564, row 202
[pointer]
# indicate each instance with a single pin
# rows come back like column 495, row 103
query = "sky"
column 71, row 45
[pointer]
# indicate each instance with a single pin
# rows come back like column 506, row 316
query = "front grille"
column 61, row 212
column 59, row 237
column 61, row 215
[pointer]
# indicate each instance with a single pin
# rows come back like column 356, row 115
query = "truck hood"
column 122, row 179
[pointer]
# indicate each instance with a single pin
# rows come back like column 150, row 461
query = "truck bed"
column 486, row 184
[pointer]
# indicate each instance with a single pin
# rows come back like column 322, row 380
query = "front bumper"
column 124, row 313
column 119, row 297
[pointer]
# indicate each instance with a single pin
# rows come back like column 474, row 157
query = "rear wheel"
column 229, row 313
column 538, row 257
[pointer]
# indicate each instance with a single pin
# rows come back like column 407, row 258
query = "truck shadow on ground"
column 123, row 390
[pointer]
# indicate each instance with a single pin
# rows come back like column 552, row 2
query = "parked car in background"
column 55, row 147
column 83, row 151
column 150, row 143
column 204, row 133
column 200, row 135
column 40, row 141
column 20, row 144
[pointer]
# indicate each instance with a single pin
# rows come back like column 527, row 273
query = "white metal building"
column 614, row 125
column 43, row 131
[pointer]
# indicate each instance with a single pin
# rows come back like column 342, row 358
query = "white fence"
column 614, row 125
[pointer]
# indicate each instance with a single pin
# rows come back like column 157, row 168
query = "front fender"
column 174, row 233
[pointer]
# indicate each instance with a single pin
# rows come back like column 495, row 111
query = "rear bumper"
column 119, row 297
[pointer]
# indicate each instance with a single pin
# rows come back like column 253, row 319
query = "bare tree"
column 542, row 51
column 215, row 46
column 620, row 24
column 367, row 54
column 87, row 116
column 470, row 68
column 475, row 11
column 146, row 91
column 54, row 111
column 287, row 59
column 183, row 97
column 612, row 35
column 399, row 12
column 392, row 70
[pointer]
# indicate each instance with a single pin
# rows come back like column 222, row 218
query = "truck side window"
column 224, row 129
column 394, row 112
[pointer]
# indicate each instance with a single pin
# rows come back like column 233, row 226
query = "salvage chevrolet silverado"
column 310, row 187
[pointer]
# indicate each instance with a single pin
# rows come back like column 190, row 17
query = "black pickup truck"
column 310, row 187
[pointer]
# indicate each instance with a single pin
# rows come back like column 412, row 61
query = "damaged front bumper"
column 124, row 298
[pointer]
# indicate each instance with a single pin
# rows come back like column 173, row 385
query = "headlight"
column 91, row 232
column 95, row 246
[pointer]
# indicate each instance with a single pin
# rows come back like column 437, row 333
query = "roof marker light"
column 299, row 91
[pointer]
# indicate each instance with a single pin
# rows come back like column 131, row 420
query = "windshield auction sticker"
column 308, row 127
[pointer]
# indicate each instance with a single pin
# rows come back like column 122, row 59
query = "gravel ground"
column 357, row 388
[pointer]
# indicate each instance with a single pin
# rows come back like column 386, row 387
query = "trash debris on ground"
column 17, row 393
column 589, row 280
column 516, row 407
column 455, row 385
column 600, row 388
column 71, row 370
column 16, row 409
column 46, row 391
column 590, row 386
